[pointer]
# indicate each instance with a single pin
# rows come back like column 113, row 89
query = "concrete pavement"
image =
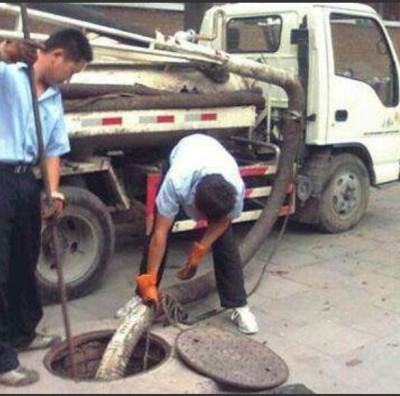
column 329, row 305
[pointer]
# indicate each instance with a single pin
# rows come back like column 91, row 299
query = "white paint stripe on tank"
column 91, row 122
column 147, row 120
column 192, row 117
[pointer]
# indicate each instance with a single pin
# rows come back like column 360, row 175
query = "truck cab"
column 349, row 69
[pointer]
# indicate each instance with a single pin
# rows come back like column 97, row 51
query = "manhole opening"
column 89, row 349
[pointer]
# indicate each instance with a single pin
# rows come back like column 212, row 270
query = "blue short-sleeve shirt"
column 18, row 142
column 193, row 158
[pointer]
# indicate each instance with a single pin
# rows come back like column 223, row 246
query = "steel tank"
column 168, row 88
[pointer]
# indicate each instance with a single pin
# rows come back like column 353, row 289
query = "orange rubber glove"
column 196, row 254
column 147, row 288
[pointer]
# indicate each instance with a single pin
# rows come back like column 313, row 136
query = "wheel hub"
column 47, row 245
column 347, row 194
column 77, row 244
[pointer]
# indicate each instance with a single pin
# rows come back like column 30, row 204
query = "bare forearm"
column 3, row 52
column 214, row 231
column 158, row 245
column 53, row 168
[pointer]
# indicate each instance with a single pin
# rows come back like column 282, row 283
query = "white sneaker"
column 21, row 376
column 244, row 320
column 123, row 311
column 41, row 341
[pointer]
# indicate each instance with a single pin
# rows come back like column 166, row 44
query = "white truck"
column 127, row 109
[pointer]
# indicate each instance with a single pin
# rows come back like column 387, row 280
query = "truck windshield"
column 260, row 34
column 361, row 52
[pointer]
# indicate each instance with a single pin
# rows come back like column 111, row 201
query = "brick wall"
column 7, row 23
column 389, row 11
column 167, row 22
column 394, row 34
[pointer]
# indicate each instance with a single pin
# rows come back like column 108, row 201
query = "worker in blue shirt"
column 64, row 53
column 203, row 179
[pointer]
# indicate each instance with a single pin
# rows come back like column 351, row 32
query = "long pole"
column 45, row 176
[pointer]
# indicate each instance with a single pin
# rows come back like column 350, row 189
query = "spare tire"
column 86, row 239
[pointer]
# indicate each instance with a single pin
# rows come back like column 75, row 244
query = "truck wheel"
column 345, row 198
column 86, row 239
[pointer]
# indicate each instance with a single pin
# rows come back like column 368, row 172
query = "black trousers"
column 20, row 226
column 227, row 268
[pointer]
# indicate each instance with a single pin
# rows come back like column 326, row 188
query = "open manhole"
column 89, row 349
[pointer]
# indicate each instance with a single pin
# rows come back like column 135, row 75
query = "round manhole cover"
column 231, row 359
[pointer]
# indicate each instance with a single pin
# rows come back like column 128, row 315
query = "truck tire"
column 86, row 238
column 345, row 197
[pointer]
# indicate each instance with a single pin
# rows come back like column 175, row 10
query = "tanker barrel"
column 86, row 143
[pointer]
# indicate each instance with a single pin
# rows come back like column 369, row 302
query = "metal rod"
column 124, row 52
column 46, row 182
column 66, row 21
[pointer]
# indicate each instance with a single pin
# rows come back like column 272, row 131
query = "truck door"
column 363, row 90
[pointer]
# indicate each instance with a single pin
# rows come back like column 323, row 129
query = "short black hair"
column 73, row 42
column 215, row 197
